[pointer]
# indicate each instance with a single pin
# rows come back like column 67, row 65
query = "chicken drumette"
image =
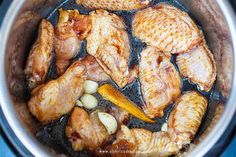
column 86, row 131
column 57, row 97
column 70, row 31
column 40, row 56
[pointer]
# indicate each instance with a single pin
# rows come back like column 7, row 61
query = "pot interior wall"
column 206, row 13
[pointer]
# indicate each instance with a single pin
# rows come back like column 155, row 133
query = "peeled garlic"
column 90, row 87
column 79, row 103
column 164, row 127
column 108, row 121
column 89, row 101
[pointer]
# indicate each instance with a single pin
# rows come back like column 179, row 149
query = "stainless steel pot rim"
column 17, row 126
column 229, row 112
column 36, row 148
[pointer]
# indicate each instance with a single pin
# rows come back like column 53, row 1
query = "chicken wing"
column 71, row 29
column 160, row 82
column 198, row 65
column 40, row 55
column 140, row 142
column 114, row 4
column 94, row 70
column 85, row 131
column 166, row 28
column 183, row 124
column 108, row 42
column 58, row 97
column 186, row 117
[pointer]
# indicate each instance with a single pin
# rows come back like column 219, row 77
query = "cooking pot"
column 19, row 27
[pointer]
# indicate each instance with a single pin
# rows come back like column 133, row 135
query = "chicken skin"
column 183, row 124
column 85, row 131
column 114, row 4
column 40, row 55
column 167, row 28
column 122, row 116
column 172, row 31
column 140, row 142
column 94, row 70
column 160, row 82
column 186, row 117
column 108, row 42
column 198, row 65
column 71, row 29
column 57, row 97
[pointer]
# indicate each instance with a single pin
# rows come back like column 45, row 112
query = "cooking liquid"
column 53, row 134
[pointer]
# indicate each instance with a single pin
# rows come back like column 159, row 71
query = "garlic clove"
column 90, row 87
column 79, row 103
column 108, row 121
column 89, row 101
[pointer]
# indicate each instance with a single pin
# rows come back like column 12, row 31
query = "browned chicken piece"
column 71, row 29
column 186, row 117
column 57, row 97
column 122, row 116
column 140, row 142
column 94, row 70
column 108, row 42
column 85, row 131
column 167, row 28
column 160, row 81
column 183, row 124
column 40, row 55
column 198, row 65
column 114, row 4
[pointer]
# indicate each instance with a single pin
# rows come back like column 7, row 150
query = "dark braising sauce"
column 53, row 134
